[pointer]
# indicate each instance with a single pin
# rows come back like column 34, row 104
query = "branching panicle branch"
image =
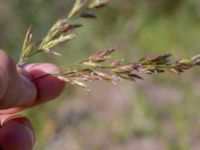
column 61, row 31
column 99, row 66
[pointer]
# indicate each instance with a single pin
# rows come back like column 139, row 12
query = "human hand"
column 18, row 92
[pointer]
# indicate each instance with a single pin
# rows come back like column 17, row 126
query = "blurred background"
column 160, row 113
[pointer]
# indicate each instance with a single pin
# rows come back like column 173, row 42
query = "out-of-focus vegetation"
column 159, row 113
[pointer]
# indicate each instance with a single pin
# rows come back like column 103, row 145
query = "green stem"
column 34, row 53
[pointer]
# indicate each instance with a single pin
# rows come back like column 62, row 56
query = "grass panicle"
column 99, row 66
column 61, row 31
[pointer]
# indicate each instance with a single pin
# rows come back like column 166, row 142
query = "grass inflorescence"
column 99, row 66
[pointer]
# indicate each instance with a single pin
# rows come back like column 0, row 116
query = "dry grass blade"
column 27, row 46
column 101, row 55
column 57, row 41
column 98, row 3
column 79, row 7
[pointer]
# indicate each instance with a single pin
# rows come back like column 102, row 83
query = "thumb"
column 15, row 88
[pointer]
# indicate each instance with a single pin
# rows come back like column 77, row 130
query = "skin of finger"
column 48, row 88
column 15, row 88
column 16, row 133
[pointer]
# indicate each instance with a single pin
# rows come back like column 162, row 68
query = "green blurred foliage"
column 164, row 108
